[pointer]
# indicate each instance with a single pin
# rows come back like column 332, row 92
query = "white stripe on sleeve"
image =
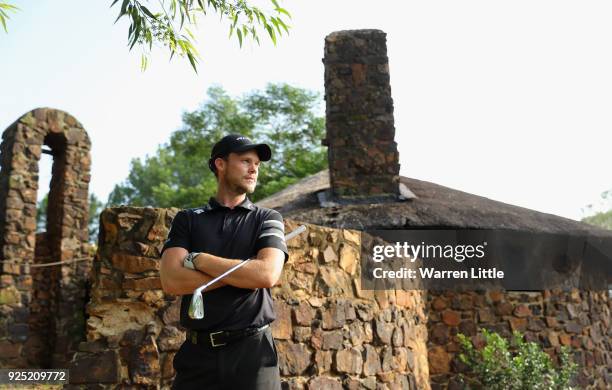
column 275, row 223
column 279, row 235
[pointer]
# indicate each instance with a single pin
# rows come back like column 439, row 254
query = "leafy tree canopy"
column 169, row 23
column 285, row 117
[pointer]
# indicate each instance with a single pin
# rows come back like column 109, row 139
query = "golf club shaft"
column 288, row 237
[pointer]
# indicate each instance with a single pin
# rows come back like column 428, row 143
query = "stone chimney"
column 363, row 157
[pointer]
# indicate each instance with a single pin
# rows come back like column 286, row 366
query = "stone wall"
column 577, row 319
column 64, row 288
column 362, row 155
column 132, row 327
column 330, row 334
column 333, row 335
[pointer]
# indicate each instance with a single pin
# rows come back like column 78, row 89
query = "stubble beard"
column 240, row 188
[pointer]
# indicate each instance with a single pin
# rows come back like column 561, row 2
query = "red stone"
column 522, row 311
column 504, row 309
column 439, row 360
column 496, row 296
column 451, row 318
column 9, row 350
column 439, row 304
column 565, row 339
column 518, row 324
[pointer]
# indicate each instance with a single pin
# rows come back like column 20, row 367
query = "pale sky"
column 507, row 100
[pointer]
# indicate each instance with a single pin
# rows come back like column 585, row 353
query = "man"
column 232, row 346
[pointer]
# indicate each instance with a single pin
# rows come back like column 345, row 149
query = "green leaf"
column 239, row 33
column 135, row 37
column 124, row 6
column 192, row 61
column 143, row 62
column 9, row 7
column 276, row 24
column 122, row 12
column 283, row 25
column 147, row 12
column 283, row 11
column 271, row 33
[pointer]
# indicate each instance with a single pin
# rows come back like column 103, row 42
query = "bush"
column 516, row 365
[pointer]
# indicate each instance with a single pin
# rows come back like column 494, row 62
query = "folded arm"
column 263, row 271
column 178, row 280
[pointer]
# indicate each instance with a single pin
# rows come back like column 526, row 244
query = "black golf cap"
column 236, row 143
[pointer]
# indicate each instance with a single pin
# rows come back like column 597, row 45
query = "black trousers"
column 248, row 363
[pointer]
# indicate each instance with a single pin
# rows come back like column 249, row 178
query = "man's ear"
column 219, row 163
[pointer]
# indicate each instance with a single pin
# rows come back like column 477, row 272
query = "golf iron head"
column 196, row 307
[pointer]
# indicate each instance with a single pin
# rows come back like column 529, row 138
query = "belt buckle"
column 212, row 339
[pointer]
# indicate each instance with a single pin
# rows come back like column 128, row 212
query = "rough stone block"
column 323, row 361
column 134, row 264
column 384, row 330
column 349, row 361
column 103, row 367
column 439, row 360
column 334, row 317
column 142, row 284
column 294, row 358
column 451, row 318
column 281, row 327
column 324, row 383
column 371, row 364
column 331, row 339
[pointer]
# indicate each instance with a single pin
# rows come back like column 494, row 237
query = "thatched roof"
column 436, row 206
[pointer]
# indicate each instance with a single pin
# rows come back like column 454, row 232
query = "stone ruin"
column 39, row 326
column 108, row 320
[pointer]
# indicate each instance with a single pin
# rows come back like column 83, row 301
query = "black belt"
column 221, row 338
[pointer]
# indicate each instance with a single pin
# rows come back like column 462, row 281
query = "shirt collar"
column 246, row 204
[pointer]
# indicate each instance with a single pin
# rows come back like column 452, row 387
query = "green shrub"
column 516, row 365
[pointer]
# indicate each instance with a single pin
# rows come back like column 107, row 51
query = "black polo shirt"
column 237, row 233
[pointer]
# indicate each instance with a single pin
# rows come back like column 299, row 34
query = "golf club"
column 196, row 308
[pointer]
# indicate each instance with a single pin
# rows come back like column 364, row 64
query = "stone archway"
column 41, row 308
